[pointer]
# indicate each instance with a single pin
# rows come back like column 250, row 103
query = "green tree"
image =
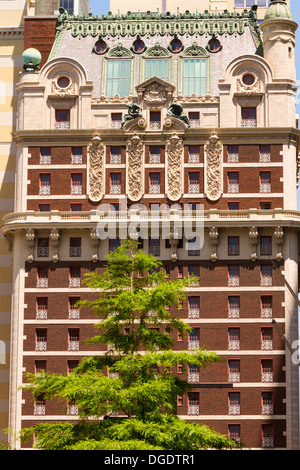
column 132, row 386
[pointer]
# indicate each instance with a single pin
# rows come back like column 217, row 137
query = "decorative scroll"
column 96, row 153
column 214, row 240
column 213, row 168
column 95, row 243
column 174, row 151
column 278, row 235
column 54, row 242
column 30, row 242
column 253, row 241
column 135, row 168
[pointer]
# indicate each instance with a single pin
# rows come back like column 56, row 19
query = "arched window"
column 157, row 63
column 195, row 71
column 118, row 76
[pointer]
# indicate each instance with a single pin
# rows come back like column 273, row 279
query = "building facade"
column 160, row 125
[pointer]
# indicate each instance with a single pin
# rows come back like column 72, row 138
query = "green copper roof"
column 278, row 9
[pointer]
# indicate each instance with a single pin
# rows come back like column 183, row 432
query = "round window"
column 138, row 46
column 214, row 45
column 248, row 79
column 63, row 82
column 100, row 47
column 176, row 45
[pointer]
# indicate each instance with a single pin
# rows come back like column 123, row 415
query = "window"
column 115, row 183
column 63, row 82
column 265, row 182
column 233, row 246
column 249, row 3
column 264, row 153
column 72, row 366
column 157, row 68
column 193, row 403
column 267, row 370
column 44, row 207
column 74, row 311
column 233, row 206
column 100, row 47
column 180, row 271
column 193, row 246
column 266, row 275
column 233, row 339
column 266, row 306
column 267, row 435
column 154, row 186
column 194, row 307
column 76, row 184
column 233, row 182
column 74, row 276
column 265, row 205
column 194, row 77
column 43, row 247
column 234, row 403
column 114, row 243
column 248, row 79
column 76, row 156
column 73, row 339
column 194, row 117
column 40, row 406
column 155, row 120
column 234, row 431
column 194, row 153
column 267, row 407
column 118, row 77
column 194, row 339
column 154, row 246
column 154, row 154
column 116, row 120
column 233, row 306
column 266, row 245
column 76, row 207
column 194, row 272
column 115, row 155
column 194, row 186
column 233, row 276
column 266, row 339
column 67, row 5
column 234, row 371
column 176, row 45
column 233, row 154
column 249, row 117
column 41, row 308
column 138, row 46
column 45, row 156
column 42, row 277
column 194, row 376
column 62, row 119
column 41, row 339
column 75, row 247
column 40, row 367
column 44, row 184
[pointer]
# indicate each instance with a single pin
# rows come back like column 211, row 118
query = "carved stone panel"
column 135, row 168
column 213, row 170
column 174, row 174
column 96, row 174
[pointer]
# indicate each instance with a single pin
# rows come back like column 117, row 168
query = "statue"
column 176, row 111
column 134, row 111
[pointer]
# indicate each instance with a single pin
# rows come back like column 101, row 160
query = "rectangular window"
column 233, row 339
column 233, row 276
column 194, row 339
column 193, row 246
column 155, row 120
column 233, row 246
column 234, row 371
column 233, row 154
column 45, row 156
column 115, row 183
column 265, row 205
column 157, row 68
column 233, row 206
column 74, row 311
column 68, row 5
column 194, row 154
column 194, row 272
column 249, row 117
column 194, row 77
column 42, row 277
column 233, row 306
column 62, row 119
column 41, row 339
column 118, row 77
column 265, row 182
column 76, row 156
column 72, row 366
column 154, row 183
column 194, row 186
column 194, row 307
column 234, row 403
column 154, row 246
column 74, row 276
column 234, row 431
column 267, row 370
column 44, row 207
column 264, row 153
column 267, row 403
column 194, row 117
column 154, row 154
column 194, row 376
column 193, row 403
column 76, row 207
column 114, row 243
column 73, row 339
column 40, row 367
column 41, row 308
column 233, row 182
column 249, row 3
column 267, row 435
column 43, row 247
column 266, row 245
column 266, row 275
column 266, row 306
column 45, row 184
column 115, row 155
column 116, row 120
column 76, row 184
column 75, row 247
column 266, row 339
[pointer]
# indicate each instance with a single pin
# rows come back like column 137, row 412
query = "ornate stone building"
column 165, row 124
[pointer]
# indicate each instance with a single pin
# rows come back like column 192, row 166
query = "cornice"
column 16, row 32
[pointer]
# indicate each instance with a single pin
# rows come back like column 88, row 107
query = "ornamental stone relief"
column 249, row 89
column 135, row 151
column 96, row 182
column 174, row 153
column 213, row 168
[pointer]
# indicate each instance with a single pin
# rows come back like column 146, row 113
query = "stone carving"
column 95, row 172
column 214, row 240
column 195, row 51
column 95, row 243
column 157, row 51
column 213, row 168
column 278, row 235
column 155, row 94
column 120, row 51
column 248, row 89
column 174, row 152
column 62, row 92
column 134, row 111
column 197, row 99
column 253, row 240
column 117, row 99
column 135, row 168
column 54, row 241
column 30, row 242
column 176, row 111
column 174, row 244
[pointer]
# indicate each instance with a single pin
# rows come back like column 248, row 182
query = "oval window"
column 138, row 46
column 100, row 47
column 214, row 45
column 176, row 45
column 248, row 79
column 63, row 82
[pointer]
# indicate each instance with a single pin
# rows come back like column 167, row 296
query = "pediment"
column 155, row 91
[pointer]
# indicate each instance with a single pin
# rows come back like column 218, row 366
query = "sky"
column 100, row 7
